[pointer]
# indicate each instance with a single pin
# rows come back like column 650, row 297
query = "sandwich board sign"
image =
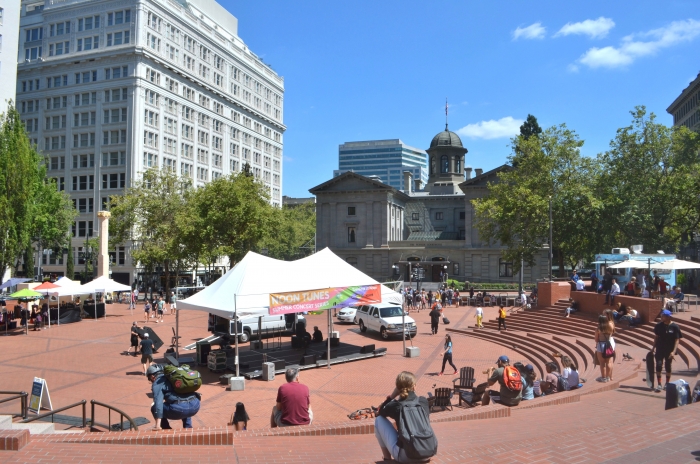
column 40, row 396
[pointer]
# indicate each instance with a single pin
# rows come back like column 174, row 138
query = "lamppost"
column 550, row 238
column 445, row 274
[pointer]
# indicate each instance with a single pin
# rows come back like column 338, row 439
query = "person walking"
column 146, row 311
column 447, row 355
column 146, row 352
column 435, row 314
column 161, row 308
column 134, row 339
column 502, row 318
column 667, row 334
column 479, row 315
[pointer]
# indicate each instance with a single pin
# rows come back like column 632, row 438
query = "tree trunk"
column 166, row 267
column 70, row 263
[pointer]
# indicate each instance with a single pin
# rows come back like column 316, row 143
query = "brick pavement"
column 84, row 361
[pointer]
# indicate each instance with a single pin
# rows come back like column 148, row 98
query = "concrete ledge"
column 189, row 437
column 13, row 440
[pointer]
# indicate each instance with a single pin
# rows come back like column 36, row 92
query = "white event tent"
column 256, row 276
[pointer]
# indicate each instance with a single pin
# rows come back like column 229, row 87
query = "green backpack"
column 183, row 379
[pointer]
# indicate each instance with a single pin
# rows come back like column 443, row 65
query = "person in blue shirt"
column 447, row 354
column 574, row 277
column 528, row 378
column 169, row 405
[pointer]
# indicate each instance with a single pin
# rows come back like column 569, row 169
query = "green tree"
column 530, row 127
column 291, row 228
column 70, row 261
column 150, row 214
column 233, row 216
column 515, row 212
column 29, row 261
column 650, row 184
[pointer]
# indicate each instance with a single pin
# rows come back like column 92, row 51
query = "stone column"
column 103, row 258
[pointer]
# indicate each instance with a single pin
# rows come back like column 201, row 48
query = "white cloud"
column 642, row 44
column 533, row 31
column 593, row 28
column 504, row 127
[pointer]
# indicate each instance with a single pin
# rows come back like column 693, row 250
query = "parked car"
column 385, row 318
column 347, row 314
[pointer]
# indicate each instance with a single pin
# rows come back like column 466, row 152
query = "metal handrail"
column 22, row 396
column 122, row 414
column 51, row 413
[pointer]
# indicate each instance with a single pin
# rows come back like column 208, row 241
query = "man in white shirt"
column 615, row 290
column 479, row 316
column 580, row 285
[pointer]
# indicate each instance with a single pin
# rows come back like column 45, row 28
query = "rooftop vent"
column 637, row 249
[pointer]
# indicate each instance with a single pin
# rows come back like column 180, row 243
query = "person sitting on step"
column 573, row 307
column 570, row 372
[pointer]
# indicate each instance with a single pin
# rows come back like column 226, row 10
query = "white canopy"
column 630, row 264
column 253, row 279
column 672, row 264
column 101, row 284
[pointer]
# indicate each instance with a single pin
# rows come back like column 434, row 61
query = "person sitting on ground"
column 619, row 311
column 318, row 336
column 548, row 385
column 170, row 405
column 632, row 317
column 239, row 419
column 293, row 402
column 570, row 372
column 508, row 394
column 388, row 435
column 572, row 308
column 529, row 377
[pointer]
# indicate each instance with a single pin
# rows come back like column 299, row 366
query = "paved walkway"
column 85, row 360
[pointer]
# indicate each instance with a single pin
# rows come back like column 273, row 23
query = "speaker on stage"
column 296, row 342
column 367, row 349
column 279, row 365
column 334, row 354
column 335, row 342
column 308, row 360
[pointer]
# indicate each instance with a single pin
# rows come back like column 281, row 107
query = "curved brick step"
column 544, row 327
column 568, row 349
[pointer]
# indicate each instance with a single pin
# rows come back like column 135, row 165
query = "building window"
column 444, row 164
column 415, row 216
column 351, row 210
column 351, row 261
column 351, row 235
column 438, row 216
column 462, row 215
column 455, row 269
column 505, row 268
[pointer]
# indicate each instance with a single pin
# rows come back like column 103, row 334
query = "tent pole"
column 328, row 353
column 235, row 325
column 177, row 331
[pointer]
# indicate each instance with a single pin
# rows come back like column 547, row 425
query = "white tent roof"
column 101, row 284
column 256, row 276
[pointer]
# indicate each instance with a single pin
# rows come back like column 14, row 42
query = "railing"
column 51, row 413
column 122, row 415
column 22, row 396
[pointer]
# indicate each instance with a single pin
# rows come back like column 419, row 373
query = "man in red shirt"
column 293, row 402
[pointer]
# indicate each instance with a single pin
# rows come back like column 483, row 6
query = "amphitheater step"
column 35, row 428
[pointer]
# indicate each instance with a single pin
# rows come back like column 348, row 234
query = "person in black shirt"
column 435, row 318
column 318, row 336
column 667, row 335
column 134, row 339
column 146, row 352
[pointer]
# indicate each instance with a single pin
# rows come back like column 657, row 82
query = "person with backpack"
column 435, row 315
column 413, row 440
column 167, row 403
column 510, row 381
column 553, row 382
column 502, row 318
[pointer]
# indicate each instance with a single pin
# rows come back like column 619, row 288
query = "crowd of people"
column 420, row 299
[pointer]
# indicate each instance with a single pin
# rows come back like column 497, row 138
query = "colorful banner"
column 327, row 298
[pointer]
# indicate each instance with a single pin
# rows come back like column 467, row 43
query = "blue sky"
column 365, row 70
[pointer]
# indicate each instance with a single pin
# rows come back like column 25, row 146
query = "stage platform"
column 285, row 356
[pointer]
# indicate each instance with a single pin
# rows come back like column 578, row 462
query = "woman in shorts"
column 603, row 334
column 146, row 311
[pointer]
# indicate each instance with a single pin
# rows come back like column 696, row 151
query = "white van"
column 248, row 326
column 385, row 318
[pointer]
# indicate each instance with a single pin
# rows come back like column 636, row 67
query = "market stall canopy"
column 13, row 281
column 675, row 264
column 256, row 276
column 46, row 286
column 27, row 294
column 66, row 282
column 101, row 284
column 630, row 264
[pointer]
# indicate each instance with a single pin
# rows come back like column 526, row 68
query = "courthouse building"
column 108, row 89
column 381, row 229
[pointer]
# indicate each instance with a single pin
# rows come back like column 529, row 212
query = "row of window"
column 82, row 77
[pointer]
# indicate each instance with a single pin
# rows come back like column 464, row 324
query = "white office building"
column 108, row 89
column 9, row 32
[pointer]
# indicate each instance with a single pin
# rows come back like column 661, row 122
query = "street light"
column 445, row 274
column 550, row 238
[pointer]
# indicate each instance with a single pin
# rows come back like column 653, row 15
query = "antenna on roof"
column 446, row 107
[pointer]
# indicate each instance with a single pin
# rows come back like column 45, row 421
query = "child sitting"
column 570, row 373
column 239, row 418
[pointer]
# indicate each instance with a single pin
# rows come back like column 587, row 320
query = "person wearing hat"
column 508, row 397
column 170, row 405
column 146, row 352
column 667, row 334
column 134, row 339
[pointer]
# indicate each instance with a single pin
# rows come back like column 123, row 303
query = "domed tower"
column 445, row 163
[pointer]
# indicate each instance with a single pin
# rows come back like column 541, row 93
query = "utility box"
column 268, row 371
column 412, row 351
column 237, row 384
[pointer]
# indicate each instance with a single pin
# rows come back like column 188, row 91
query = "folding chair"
column 441, row 399
column 465, row 382
column 488, row 301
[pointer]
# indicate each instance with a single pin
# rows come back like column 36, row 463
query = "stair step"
column 5, row 422
column 35, row 428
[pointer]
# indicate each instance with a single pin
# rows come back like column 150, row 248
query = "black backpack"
column 416, row 436
column 562, row 384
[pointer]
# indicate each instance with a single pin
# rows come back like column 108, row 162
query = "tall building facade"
column 686, row 108
column 9, row 32
column 108, row 89
column 385, row 159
